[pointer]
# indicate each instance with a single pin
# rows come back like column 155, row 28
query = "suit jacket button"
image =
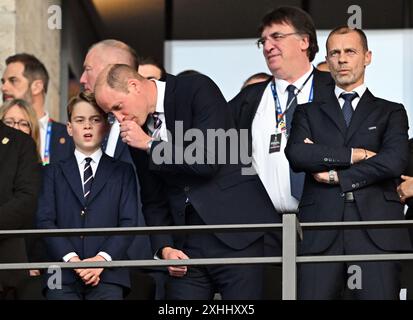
column 186, row 189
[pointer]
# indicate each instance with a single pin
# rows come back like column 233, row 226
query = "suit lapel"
column 321, row 84
column 333, row 110
column 120, row 145
column 249, row 109
column 364, row 108
column 71, row 172
column 102, row 175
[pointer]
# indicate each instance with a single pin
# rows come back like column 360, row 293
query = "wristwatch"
column 331, row 177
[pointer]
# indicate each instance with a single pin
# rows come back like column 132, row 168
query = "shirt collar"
column 80, row 157
column 283, row 84
column 160, row 86
column 44, row 120
column 359, row 90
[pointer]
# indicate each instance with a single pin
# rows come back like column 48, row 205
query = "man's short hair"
column 300, row 20
column 83, row 97
column 346, row 29
column 33, row 68
column 117, row 76
column 134, row 59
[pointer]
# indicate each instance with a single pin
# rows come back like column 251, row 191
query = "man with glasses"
column 289, row 44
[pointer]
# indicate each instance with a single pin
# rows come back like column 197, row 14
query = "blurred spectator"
column 18, row 113
column 188, row 72
column 323, row 66
column 149, row 68
column 26, row 78
column 255, row 78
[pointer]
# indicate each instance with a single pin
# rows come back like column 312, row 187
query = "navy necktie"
column 296, row 178
column 291, row 105
column 87, row 178
column 156, row 121
column 154, row 124
column 347, row 107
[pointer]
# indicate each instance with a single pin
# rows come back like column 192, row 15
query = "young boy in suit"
column 88, row 190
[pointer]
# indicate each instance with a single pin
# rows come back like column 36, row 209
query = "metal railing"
column 290, row 227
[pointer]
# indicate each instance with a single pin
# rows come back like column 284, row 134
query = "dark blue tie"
column 87, row 178
column 347, row 107
column 291, row 105
column 296, row 178
column 156, row 121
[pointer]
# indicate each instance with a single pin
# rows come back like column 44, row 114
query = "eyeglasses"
column 22, row 124
column 274, row 37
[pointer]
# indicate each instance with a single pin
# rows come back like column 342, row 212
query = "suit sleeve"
column 46, row 217
column 116, row 246
column 18, row 212
column 155, row 205
column 389, row 163
column 209, row 111
column 315, row 157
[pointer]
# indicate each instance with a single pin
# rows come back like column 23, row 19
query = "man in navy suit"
column 25, row 77
column 353, row 146
column 180, row 191
column 88, row 190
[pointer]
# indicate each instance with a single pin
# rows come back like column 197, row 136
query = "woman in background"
column 19, row 114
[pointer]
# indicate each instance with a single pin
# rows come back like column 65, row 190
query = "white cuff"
column 69, row 256
column 105, row 256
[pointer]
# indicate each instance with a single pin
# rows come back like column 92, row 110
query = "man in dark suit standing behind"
column 353, row 146
column 181, row 191
column 289, row 44
column 19, row 187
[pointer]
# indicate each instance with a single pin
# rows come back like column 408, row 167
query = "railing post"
column 289, row 254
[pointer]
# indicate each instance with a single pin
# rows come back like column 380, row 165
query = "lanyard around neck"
column 46, row 155
column 277, row 102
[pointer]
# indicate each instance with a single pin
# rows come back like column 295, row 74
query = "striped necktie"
column 87, row 178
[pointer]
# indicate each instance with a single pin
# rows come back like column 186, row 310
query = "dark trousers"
column 237, row 282
column 327, row 281
column 79, row 291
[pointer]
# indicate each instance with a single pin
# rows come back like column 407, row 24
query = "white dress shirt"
column 160, row 109
column 80, row 159
column 359, row 90
column 113, row 138
column 273, row 168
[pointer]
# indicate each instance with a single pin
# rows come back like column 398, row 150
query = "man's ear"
column 36, row 87
column 69, row 129
column 134, row 85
